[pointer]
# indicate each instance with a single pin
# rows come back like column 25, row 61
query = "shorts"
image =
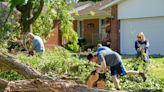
column 118, row 69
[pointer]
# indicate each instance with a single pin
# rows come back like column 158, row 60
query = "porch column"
column 115, row 35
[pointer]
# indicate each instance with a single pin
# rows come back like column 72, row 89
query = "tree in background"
column 41, row 14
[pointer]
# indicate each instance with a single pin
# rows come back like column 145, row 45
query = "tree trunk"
column 38, row 85
column 28, row 15
column 10, row 62
column 3, row 83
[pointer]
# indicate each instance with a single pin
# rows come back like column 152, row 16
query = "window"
column 103, row 22
column 102, row 32
column 80, row 29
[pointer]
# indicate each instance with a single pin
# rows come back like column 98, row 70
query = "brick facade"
column 115, row 35
column 55, row 39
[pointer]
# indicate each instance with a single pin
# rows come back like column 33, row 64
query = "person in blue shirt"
column 37, row 43
column 109, row 58
column 141, row 46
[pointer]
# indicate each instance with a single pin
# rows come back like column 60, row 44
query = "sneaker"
column 143, row 75
column 118, row 88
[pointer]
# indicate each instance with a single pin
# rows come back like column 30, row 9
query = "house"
column 56, row 38
column 136, row 16
column 93, row 24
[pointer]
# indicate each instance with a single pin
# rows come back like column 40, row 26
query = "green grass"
column 155, row 73
column 157, row 68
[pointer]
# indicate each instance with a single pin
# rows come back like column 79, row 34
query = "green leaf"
column 14, row 3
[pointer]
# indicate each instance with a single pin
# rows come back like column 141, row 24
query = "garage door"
column 153, row 29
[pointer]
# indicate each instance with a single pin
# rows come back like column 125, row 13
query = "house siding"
column 140, row 8
column 153, row 29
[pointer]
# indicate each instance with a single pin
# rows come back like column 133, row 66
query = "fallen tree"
column 12, row 63
column 36, row 85
column 36, row 81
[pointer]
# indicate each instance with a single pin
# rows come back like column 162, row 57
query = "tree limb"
column 38, row 85
column 23, row 69
column 3, row 83
column 36, row 14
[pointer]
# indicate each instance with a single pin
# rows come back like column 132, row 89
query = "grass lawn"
column 156, row 67
column 155, row 70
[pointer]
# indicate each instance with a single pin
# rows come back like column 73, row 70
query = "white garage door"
column 153, row 29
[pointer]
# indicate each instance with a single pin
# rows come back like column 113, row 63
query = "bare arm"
column 33, row 47
column 102, row 67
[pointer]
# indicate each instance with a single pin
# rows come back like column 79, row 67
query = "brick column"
column 115, row 35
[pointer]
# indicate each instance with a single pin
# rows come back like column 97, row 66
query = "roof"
column 76, row 5
column 114, row 2
column 81, row 5
column 94, row 11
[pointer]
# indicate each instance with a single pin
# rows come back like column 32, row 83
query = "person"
column 107, row 40
column 107, row 57
column 141, row 46
column 90, row 54
column 37, row 44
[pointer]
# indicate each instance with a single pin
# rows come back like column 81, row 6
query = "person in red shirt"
column 107, row 40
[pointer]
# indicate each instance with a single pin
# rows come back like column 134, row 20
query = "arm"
column 33, row 48
column 34, row 43
column 102, row 67
column 136, row 46
column 147, row 44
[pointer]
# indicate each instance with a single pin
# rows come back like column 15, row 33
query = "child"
column 141, row 46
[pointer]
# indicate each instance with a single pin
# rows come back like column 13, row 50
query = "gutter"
column 82, row 7
column 110, row 4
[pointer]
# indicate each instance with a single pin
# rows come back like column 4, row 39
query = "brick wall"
column 115, row 35
column 55, row 39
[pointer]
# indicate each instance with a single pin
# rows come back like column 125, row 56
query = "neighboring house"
column 139, row 16
column 92, row 23
column 4, row 11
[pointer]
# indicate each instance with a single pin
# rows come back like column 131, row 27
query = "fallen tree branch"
column 40, row 85
column 10, row 62
column 3, row 83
